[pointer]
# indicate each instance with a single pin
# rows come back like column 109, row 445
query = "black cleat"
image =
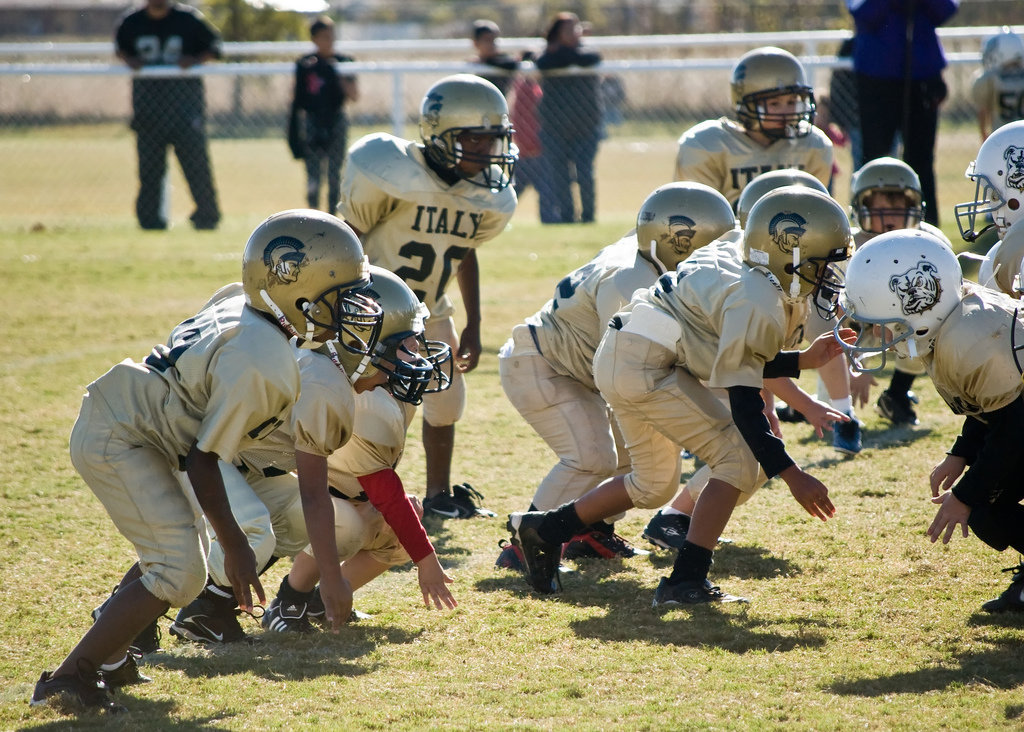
column 1012, row 599
column 897, row 408
column 463, row 501
column 598, row 544
column 209, row 618
column 692, row 592
column 541, row 559
column 85, row 687
column 667, row 530
column 287, row 617
column 127, row 674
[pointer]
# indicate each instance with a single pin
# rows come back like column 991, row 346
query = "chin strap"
column 279, row 314
column 794, row 284
column 359, row 370
column 654, row 258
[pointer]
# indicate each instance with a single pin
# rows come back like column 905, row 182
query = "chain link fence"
column 69, row 154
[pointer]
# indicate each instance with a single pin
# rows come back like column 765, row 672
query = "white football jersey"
column 570, row 325
column 720, row 154
column 1001, row 92
column 224, row 380
column 412, row 222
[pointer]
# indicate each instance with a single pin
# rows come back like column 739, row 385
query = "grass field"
column 859, row 622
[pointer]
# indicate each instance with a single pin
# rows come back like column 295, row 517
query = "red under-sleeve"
column 386, row 493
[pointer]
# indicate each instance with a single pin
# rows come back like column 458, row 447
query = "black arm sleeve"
column 997, row 464
column 970, row 440
column 747, row 409
column 787, row 363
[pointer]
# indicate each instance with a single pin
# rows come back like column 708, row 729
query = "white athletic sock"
column 669, row 511
column 844, row 405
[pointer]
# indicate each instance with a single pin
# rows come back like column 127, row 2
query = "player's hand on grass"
column 240, row 568
column 336, row 593
column 434, row 583
column 952, row 512
column 809, row 492
column 945, row 473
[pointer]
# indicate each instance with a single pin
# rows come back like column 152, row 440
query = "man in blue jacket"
column 898, row 61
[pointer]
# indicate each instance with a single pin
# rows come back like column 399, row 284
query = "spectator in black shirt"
column 570, row 118
column 321, row 91
column 485, row 41
column 170, row 111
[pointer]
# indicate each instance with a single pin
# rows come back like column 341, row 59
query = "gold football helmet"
column 797, row 233
column 464, row 103
column 411, row 373
column 886, row 175
column 679, row 218
column 307, row 269
column 768, row 72
column 769, row 181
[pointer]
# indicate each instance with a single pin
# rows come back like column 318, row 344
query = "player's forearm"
column 747, row 410
column 203, row 472
column 469, row 288
column 386, row 493
column 317, row 510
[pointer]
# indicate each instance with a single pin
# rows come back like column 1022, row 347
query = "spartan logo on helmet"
column 1014, row 157
column 284, row 257
column 918, row 289
column 682, row 229
column 432, row 107
column 786, row 228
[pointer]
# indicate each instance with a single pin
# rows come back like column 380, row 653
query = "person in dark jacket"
column 898, row 60
column 321, row 91
column 570, row 113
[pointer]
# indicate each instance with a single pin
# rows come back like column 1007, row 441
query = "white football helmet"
column 307, row 269
column 1003, row 49
column 998, row 172
column 905, row 282
column 678, row 218
column 467, row 103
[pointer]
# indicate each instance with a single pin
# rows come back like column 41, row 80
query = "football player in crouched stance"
column 546, row 367
column 908, row 286
column 224, row 379
column 422, row 208
column 721, row 320
column 377, row 525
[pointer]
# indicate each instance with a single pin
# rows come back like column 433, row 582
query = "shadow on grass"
column 142, row 713
column 731, row 560
column 997, row 667
column 286, row 656
column 630, row 617
column 441, row 538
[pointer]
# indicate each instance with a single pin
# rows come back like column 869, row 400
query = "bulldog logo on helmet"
column 918, row 289
column 785, row 229
column 284, row 257
column 682, row 229
column 1014, row 157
